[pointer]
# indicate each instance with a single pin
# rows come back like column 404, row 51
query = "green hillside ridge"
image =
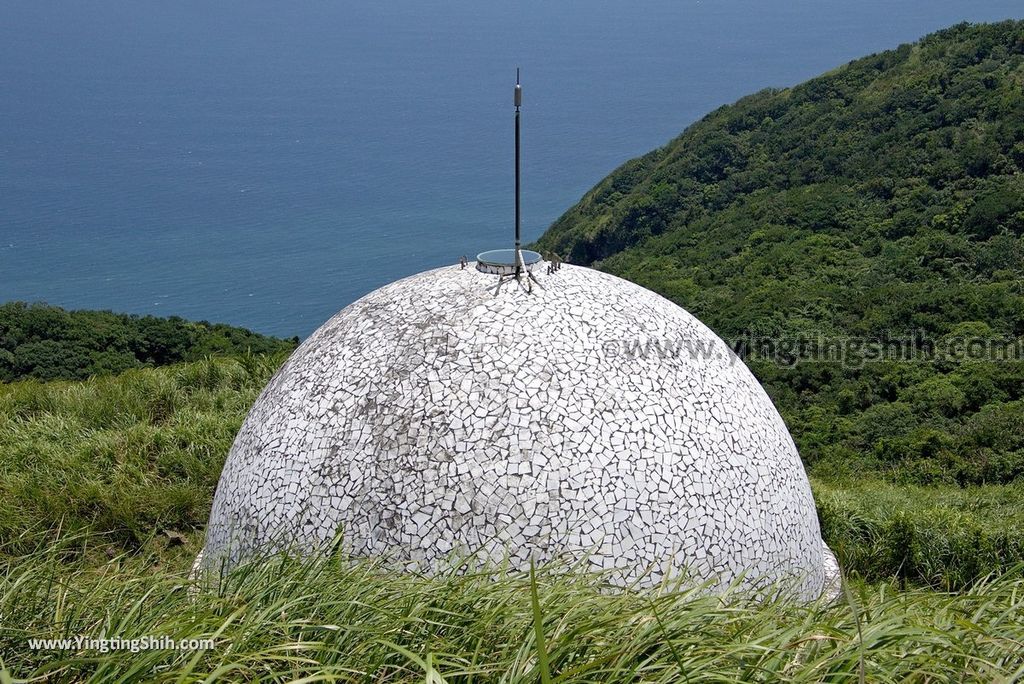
column 881, row 201
column 48, row 343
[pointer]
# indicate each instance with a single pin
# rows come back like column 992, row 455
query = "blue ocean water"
column 266, row 163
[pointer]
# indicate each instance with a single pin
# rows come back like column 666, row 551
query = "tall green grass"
column 136, row 459
column 105, row 486
column 330, row 620
column 942, row 537
column 129, row 455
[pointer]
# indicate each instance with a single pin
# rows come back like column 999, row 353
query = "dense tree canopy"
column 881, row 201
column 49, row 343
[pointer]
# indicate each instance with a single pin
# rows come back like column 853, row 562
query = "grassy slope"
column 128, row 456
column 137, row 456
column 884, row 198
column 331, row 621
column 94, row 473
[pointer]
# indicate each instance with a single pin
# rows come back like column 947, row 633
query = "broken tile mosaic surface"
column 590, row 419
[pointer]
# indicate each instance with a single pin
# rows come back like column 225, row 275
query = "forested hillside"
column 49, row 343
column 882, row 201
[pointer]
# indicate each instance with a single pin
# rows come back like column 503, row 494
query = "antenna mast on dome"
column 518, row 102
column 512, row 263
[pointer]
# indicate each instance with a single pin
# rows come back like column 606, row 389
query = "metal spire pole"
column 518, row 103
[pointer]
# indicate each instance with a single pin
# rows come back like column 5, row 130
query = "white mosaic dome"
column 589, row 419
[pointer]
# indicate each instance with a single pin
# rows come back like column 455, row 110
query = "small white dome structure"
column 589, row 418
